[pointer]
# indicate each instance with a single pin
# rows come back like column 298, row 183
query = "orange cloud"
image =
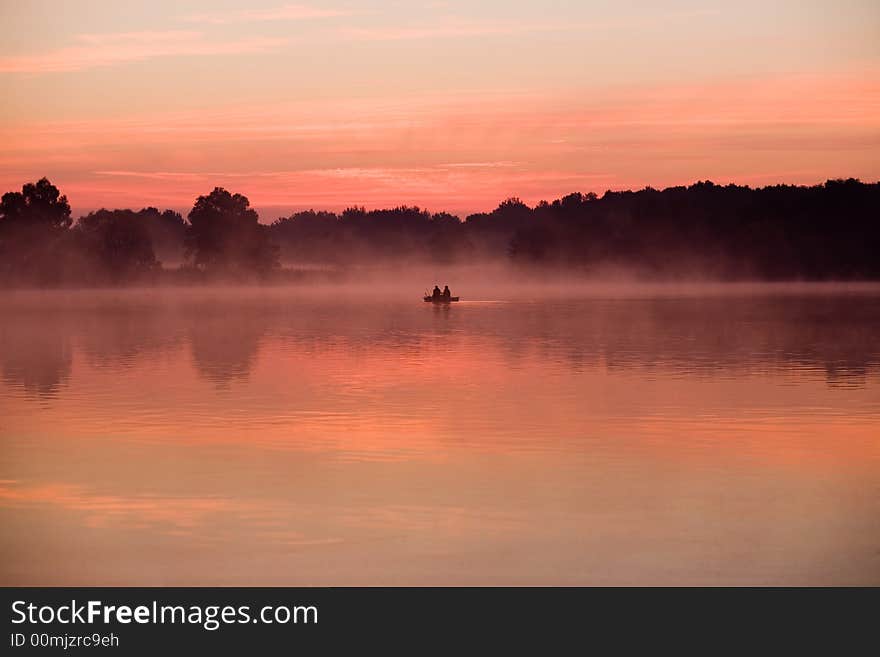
column 290, row 12
column 98, row 50
column 451, row 27
column 463, row 152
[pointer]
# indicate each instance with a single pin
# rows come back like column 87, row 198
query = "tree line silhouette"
column 826, row 231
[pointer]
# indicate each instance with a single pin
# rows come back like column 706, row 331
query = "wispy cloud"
column 461, row 27
column 460, row 151
column 482, row 165
column 145, row 37
column 450, row 187
column 452, row 29
column 98, row 50
column 290, row 12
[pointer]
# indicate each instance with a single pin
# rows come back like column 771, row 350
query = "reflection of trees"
column 36, row 344
column 34, row 355
column 117, row 337
column 832, row 336
column 225, row 345
column 828, row 334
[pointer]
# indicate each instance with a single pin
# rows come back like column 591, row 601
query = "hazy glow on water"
column 612, row 435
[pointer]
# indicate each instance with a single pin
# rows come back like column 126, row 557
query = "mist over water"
column 537, row 432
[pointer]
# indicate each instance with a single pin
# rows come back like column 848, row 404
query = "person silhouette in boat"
column 436, row 293
column 446, row 293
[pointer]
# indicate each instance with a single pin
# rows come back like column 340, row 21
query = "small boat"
column 431, row 299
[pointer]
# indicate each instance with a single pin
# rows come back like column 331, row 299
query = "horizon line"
column 462, row 216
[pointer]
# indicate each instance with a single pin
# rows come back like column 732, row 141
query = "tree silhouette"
column 37, row 204
column 167, row 230
column 729, row 232
column 32, row 223
column 780, row 232
column 403, row 233
column 308, row 236
column 225, row 236
column 119, row 244
column 493, row 231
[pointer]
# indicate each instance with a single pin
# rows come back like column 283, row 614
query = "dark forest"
column 829, row 231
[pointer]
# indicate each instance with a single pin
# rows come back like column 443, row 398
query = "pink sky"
column 441, row 105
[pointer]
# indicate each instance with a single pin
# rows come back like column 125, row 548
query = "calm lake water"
column 614, row 435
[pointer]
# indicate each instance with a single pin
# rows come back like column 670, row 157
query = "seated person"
column 446, row 292
column 436, row 292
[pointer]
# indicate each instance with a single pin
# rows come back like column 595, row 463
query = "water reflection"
column 34, row 356
column 225, row 349
column 694, row 336
column 276, row 437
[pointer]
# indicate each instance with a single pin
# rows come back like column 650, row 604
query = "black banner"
column 128, row 621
